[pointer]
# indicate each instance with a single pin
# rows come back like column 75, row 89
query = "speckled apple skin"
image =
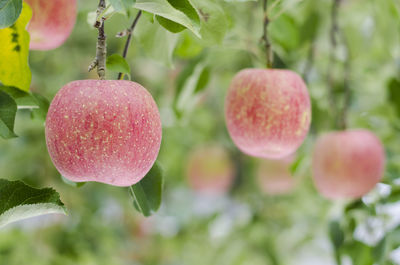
column 274, row 177
column 103, row 130
column 52, row 22
column 267, row 112
column 210, row 170
column 347, row 164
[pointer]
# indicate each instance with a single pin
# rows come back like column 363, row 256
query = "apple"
column 51, row 24
column 274, row 177
column 103, row 130
column 347, row 164
column 210, row 170
column 267, row 112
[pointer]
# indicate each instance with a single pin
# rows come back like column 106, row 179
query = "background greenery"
column 188, row 78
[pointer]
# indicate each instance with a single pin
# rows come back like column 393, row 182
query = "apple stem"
column 101, row 48
column 265, row 38
column 129, row 38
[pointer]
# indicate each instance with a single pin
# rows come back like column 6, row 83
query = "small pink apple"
column 103, row 130
column 52, row 22
column 274, row 177
column 347, row 164
column 210, row 170
column 267, row 112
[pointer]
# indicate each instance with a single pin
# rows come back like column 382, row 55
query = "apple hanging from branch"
column 103, row 130
column 267, row 112
column 347, row 164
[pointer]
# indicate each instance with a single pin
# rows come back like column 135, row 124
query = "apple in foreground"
column 51, row 24
column 267, row 112
column 274, row 177
column 210, row 170
column 347, row 164
column 103, row 130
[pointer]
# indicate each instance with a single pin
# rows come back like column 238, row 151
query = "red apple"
column 52, row 22
column 274, row 177
column 347, row 164
column 103, row 130
column 210, row 170
column 267, row 112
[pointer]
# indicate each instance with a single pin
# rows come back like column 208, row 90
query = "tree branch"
column 333, row 44
column 346, row 87
column 101, row 49
column 265, row 38
column 129, row 38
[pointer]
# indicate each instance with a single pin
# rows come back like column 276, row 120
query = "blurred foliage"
column 188, row 78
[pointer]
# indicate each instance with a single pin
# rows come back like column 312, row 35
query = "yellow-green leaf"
column 14, row 49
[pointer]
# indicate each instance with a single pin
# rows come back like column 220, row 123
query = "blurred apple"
column 267, row 112
column 52, row 22
column 210, row 170
column 347, row 164
column 274, row 177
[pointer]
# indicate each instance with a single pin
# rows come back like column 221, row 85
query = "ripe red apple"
column 210, row 170
column 274, row 177
column 267, row 112
column 52, row 22
column 347, row 164
column 103, row 130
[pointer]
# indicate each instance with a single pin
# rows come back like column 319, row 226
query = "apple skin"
column 274, row 177
column 103, row 130
column 267, row 112
column 51, row 24
column 347, row 164
column 210, row 170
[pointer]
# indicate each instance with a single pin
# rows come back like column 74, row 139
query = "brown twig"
column 129, row 38
column 101, row 48
column 346, row 87
column 265, row 38
column 333, row 44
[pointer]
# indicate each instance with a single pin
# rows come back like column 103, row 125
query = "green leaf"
column 381, row 250
column 23, row 99
column 203, row 80
column 14, row 49
column 295, row 165
column 310, row 27
column 213, row 20
column 336, row 236
column 9, row 12
column 284, row 31
column 122, row 6
column 157, row 42
column 393, row 87
column 147, row 193
column 8, row 110
column 165, row 9
column 191, row 81
column 72, row 183
column 185, row 7
column 188, row 46
column 117, row 63
column 44, row 104
column 170, row 25
column 19, row 201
